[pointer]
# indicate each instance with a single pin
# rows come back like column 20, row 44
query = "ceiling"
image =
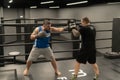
column 60, row 3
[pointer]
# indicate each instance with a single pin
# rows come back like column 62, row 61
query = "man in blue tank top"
column 41, row 36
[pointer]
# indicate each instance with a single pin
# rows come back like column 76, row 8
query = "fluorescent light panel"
column 74, row 3
column 33, row 7
column 114, row 3
column 54, row 7
column 47, row 2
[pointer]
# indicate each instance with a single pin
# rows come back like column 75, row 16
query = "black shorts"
column 84, row 56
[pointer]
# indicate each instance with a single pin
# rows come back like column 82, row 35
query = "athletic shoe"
column 74, row 77
column 95, row 77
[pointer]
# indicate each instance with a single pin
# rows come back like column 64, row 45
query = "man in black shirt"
column 87, row 52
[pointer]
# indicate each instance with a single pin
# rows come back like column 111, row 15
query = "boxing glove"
column 71, row 25
column 41, row 34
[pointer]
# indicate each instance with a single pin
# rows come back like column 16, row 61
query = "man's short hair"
column 46, row 22
column 86, row 19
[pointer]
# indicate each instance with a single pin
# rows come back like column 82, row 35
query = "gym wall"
column 11, row 14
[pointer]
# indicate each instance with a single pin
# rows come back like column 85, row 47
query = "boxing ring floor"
column 109, row 70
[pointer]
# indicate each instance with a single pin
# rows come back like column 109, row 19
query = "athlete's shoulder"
column 92, row 27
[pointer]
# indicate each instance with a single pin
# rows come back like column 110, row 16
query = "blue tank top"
column 44, row 41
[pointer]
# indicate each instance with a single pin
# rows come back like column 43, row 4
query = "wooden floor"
column 109, row 70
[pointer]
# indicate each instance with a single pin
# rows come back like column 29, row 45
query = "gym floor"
column 109, row 70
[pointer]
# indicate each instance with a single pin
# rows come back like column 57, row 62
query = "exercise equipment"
column 10, row 74
column 115, row 52
column 71, row 24
column 115, row 35
column 14, row 54
column 112, row 55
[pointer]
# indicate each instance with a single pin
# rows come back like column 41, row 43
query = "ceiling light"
column 10, row 1
column 47, row 2
column 114, row 3
column 8, row 6
column 81, row 2
column 54, row 7
column 21, row 16
column 33, row 7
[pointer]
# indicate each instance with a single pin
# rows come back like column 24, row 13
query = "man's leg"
column 54, row 64
column 48, row 53
column 26, row 71
column 76, row 68
column 34, row 54
column 96, row 70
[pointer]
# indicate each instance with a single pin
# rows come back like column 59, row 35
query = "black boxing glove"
column 71, row 25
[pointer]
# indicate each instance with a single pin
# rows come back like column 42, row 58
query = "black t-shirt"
column 88, row 34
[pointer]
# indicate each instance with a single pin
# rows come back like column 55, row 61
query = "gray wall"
column 11, row 14
column 43, row 13
column 95, row 13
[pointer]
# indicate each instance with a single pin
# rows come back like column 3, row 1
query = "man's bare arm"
column 75, row 32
